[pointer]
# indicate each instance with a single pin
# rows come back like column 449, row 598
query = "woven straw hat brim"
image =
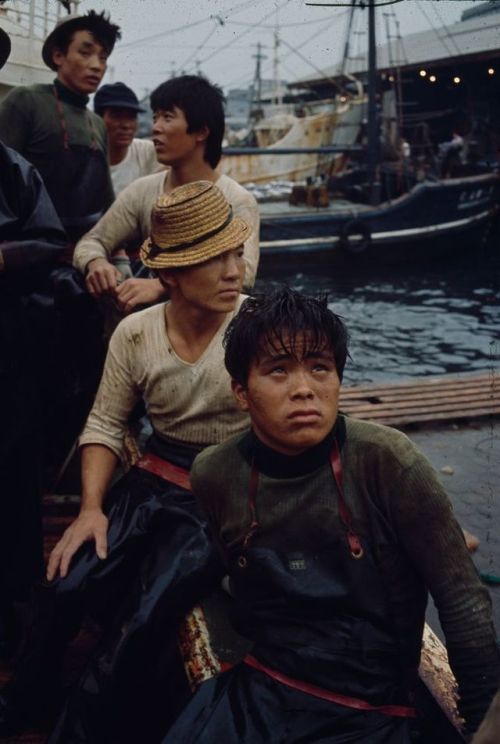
column 229, row 238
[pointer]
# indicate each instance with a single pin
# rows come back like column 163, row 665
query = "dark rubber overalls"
column 326, row 665
column 160, row 561
column 78, row 181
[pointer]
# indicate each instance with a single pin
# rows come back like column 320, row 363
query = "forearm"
column 435, row 544
column 116, row 396
column 88, row 249
column 251, row 254
column 98, row 466
column 117, row 226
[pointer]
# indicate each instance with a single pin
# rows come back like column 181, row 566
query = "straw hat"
column 190, row 225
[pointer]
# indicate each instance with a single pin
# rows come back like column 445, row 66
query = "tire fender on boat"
column 355, row 236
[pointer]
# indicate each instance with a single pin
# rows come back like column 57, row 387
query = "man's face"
column 173, row 144
column 292, row 399
column 82, row 67
column 210, row 287
column 121, row 124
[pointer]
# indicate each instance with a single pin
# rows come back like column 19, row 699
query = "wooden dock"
column 442, row 399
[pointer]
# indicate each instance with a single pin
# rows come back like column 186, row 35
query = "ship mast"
column 373, row 121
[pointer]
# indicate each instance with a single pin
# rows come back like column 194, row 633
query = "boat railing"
column 325, row 150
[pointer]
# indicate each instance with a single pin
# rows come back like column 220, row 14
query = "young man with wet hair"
column 138, row 556
column 188, row 114
column 52, row 128
column 332, row 531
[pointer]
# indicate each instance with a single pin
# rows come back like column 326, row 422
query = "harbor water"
column 429, row 319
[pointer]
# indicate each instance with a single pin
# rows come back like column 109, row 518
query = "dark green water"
column 427, row 320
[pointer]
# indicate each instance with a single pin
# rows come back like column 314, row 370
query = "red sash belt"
column 165, row 469
column 334, row 697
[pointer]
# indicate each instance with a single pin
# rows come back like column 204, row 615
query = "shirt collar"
column 277, row 465
column 79, row 100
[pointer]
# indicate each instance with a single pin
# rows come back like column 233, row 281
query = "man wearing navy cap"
column 129, row 157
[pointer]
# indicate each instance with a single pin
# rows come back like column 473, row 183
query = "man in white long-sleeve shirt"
column 138, row 556
column 188, row 114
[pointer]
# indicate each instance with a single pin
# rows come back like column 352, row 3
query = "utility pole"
column 256, row 114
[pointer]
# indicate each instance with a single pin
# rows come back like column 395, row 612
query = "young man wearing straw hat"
column 138, row 556
column 187, row 133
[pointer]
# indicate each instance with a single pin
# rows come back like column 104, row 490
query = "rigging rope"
column 433, row 28
column 186, row 26
column 447, row 31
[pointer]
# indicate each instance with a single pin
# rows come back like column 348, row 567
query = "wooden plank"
column 418, row 408
column 448, row 404
column 413, row 394
column 426, row 400
column 440, row 380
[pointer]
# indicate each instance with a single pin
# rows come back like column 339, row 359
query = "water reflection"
column 434, row 319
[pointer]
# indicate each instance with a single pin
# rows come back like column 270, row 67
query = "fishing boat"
column 392, row 211
column 434, row 218
column 339, row 123
column 300, row 126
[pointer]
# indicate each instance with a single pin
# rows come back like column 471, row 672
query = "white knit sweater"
column 129, row 219
column 187, row 402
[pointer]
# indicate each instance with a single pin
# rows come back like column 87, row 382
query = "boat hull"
column 432, row 219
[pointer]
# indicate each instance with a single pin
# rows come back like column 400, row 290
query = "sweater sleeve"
column 434, row 542
column 15, row 119
column 204, row 487
column 248, row 211
column 120, row 224
column 116, row 396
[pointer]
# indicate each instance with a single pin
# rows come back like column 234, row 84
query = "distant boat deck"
column 426, row 400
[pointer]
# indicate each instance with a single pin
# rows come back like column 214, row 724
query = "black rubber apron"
column 321, row 621
column 76, row 179
column 326, row 666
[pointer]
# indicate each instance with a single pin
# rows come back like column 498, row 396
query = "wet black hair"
column 203, row 105
column 275, row 321
column 98, row 24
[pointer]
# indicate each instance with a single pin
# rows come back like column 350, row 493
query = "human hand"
column 102, row 277
column 90, row 524
column 134, row 292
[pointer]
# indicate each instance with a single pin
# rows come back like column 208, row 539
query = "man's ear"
column 202, row 134
column 167, row 278
column 57, row 56
column 240, row 395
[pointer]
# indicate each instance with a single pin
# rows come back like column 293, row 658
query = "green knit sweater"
column 399, row 507
column 31, row 124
